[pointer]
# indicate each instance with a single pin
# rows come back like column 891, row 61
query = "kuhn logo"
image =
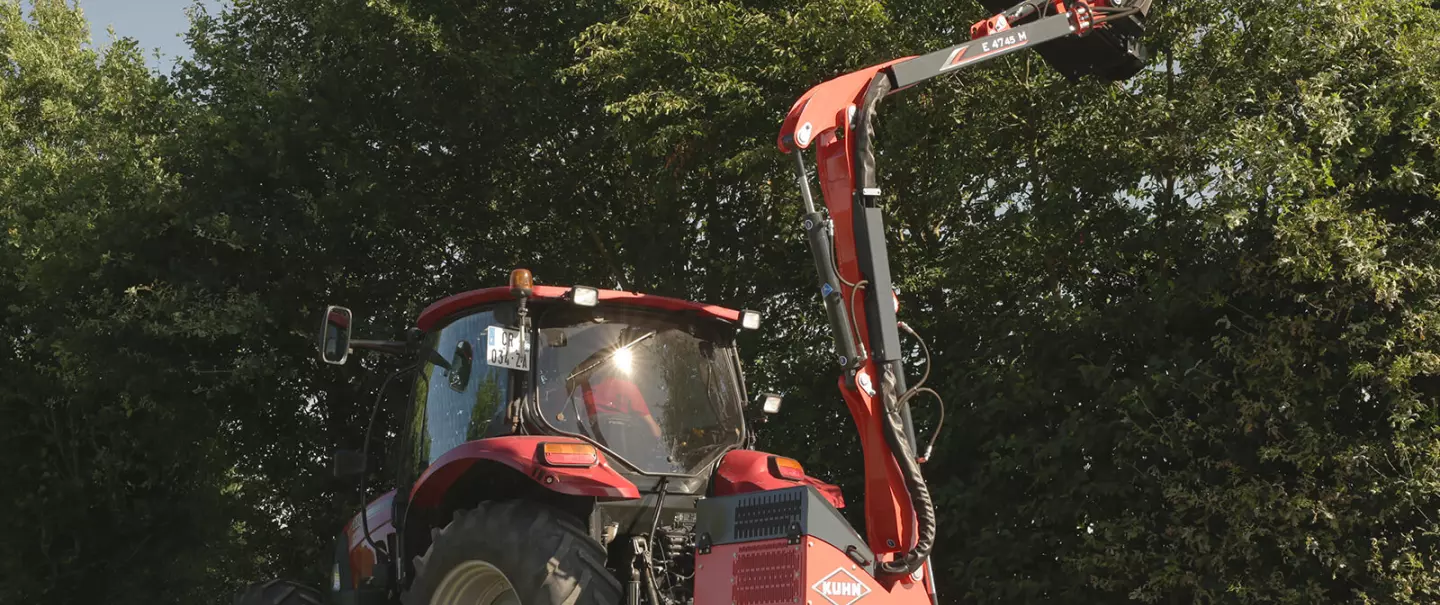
column 841, row 588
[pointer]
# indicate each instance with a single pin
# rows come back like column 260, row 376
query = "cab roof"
column 437, row 312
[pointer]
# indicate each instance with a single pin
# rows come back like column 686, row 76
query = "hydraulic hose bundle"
column 898, row 426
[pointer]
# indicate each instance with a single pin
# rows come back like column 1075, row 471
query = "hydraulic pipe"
column 821, row 248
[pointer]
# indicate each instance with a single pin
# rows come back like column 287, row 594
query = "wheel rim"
column 475, row 583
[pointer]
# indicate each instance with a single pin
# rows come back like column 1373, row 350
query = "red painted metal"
column 446, row 307
column 519, row 452
column 826, row 563
column 765, row 572
column 826, row 107
column 771, row 568
column 828, row 491
column 888, row 513
column 745, row 471
column 988, row 27
column 362, row 558
column 1082, row 17
column 812, row 571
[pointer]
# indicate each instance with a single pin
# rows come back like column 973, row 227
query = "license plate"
column 506, row 348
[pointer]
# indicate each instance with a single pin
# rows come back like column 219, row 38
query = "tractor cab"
column 653, row 384
column 659, row 391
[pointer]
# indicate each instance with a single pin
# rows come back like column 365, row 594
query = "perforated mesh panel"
column 767, row 514
column 768, row 572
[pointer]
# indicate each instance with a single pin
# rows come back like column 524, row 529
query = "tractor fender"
column 745, row 471
column 355, row 560
column 519, row 452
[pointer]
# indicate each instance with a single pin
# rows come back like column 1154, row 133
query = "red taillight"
column 787, row 468
column 568, row 454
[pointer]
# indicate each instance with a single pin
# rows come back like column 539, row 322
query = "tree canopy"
column 1185, row 325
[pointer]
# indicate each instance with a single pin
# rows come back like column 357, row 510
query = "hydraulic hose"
column 914, row 481
column 365, row 455
column 649, row 557
column 898, row 428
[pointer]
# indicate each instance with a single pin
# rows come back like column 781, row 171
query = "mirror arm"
column 391, row 347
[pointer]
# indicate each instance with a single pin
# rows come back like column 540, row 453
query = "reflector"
column 568, row 454
column 787, row 468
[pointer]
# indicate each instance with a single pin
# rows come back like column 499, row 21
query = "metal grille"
column 768, row 572
column 767, row 515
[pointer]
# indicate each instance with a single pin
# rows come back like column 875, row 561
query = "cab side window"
column 461, row 399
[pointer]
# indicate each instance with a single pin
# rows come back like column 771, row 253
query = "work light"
column 770, row 403
column 584, row 296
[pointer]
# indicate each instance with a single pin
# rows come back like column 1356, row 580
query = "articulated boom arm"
column 849, row 251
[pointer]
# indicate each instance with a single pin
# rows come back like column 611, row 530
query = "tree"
column 117, row 358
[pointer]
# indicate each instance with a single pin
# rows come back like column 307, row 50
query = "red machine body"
column 359, row 554
column 759, row 529
column 449, row 306
column 747, row 471
column 811, row 571
column 519, row 452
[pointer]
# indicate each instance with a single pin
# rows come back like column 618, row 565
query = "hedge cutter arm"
column 837, row 119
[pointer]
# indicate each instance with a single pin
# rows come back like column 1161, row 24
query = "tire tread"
column 550, row 558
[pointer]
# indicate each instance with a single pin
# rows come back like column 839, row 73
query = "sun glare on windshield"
column 659, row 391
column 623, row 358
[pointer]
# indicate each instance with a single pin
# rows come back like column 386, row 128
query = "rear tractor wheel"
column 513, row 553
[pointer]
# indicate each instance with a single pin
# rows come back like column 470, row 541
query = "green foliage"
column 112, row 400
column 1184, row 325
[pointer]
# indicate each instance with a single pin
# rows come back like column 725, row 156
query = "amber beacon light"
column 521, row 282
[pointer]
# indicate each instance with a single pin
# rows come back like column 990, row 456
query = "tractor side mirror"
column 335, row 335
column 349, row 464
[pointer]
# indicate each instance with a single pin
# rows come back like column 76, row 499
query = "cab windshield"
column 658, row 390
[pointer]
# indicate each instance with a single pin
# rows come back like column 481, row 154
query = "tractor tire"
column 278, row 592
column 513, row 552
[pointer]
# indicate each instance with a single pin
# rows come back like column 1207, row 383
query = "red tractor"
column 581, row 446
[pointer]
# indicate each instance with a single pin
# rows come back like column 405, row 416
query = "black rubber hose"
column 895, row 427
column 365, row 455
column 650, row 545
column 914, row 481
